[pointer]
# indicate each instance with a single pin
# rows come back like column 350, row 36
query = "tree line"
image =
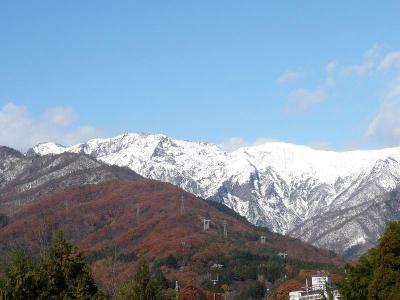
column 63, row 274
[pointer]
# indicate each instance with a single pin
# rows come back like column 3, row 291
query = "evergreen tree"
column 358, row 277
column 125, row 291
column 144, row 285
column 376, row 276
column 201, row 296
column 385, row 283
column 20, row 280
column 64, row 273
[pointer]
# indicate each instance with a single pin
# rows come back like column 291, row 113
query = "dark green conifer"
column 144, row 285
column 385, row 283
column 64, row 272
column 20, row 280
column 376, row 276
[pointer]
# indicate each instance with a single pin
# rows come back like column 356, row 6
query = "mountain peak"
column 274, row 184
column 9, row 152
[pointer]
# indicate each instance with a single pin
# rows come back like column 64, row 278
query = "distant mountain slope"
column 125, row 218
column 366, row 221
column 24, row 178
column 277, row 185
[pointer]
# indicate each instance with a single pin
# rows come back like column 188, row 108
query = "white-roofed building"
column 318, row 287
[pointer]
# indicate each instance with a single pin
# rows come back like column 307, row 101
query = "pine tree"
column 144, row 284
column 125, row 291
column 358, row 277
column 376, row 276
column 385, row 284
column 64, row 273
column 20, row 280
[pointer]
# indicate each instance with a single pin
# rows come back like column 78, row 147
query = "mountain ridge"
column 24, row 178
column 277, row 185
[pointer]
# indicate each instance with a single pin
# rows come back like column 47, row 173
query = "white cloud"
column 390, row 60
column 330, row 69
column 61, row 116
column 302, row 98
column 385, row 126
column 331, row 66
column 368, row 65
column 234, row 143
column 288, row 76
column 20, row 130
column 81, row 134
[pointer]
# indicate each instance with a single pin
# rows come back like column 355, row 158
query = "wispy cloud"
column 20, row 129
column 331, row 66
column 288, row 76
column 373, row 62
column 61, row 116
column 302, row 99
column 368, row 65
column 385, row 125
column 390, row 60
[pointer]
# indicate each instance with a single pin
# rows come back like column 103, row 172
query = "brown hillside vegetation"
column 104, row 222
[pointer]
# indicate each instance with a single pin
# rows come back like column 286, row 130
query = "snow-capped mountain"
column 325, row 197
column 25, row 178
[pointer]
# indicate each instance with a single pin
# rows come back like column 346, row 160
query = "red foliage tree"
column 283, row 290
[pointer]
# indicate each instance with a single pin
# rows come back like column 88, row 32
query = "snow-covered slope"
column 25, row 178
column 282, row 186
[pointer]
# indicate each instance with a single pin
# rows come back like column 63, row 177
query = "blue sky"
column 230, row 72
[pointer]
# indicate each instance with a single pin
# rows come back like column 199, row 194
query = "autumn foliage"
column 283, row 290
column 114, row 221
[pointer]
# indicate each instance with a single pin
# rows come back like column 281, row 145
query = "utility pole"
column 137, row 210
column 177, row 289
column 214, row 281
column 225, row 229
column 307, row 285
column 182, row 205
column 12, row 209
column 67, row 208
